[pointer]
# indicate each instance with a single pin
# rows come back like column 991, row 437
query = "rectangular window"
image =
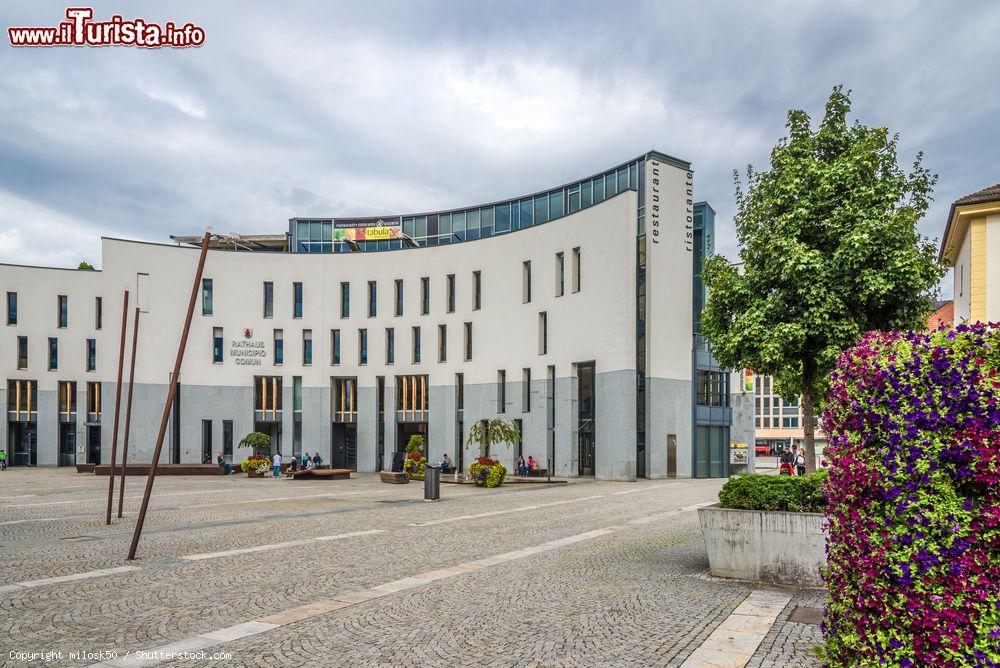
column 442, row 343
column 362, row 346
column 206, row 440
column 206, row 296
column 525, row 213
column 526, row 390
column 541, row 209
column 459, row 392
column 468, row 342
column 598, row 189
column 296, row 300
column 91, row 354
column 477, row 281
column 560, row 275
column 11, row 308
column 557, row 204
column 63, row 312
column 268, row 299
column 53, row 354
column 425, row 295
column 574, row 199
column 576, row 269
column 22, row 352
column 98, row 313
column 227, row 440
column 501, row 391
column 345, row 300
column 451, row 293
column 390, row 345
column 416, row 345
column 586, row 191
column 216, row 345
column 502, row 218
column 543, row 333
column 526, row 281
column 279, row 347
column 334, row 346
column 399, row 297
column 372, row 299
column 297, row 394
column 307, row 347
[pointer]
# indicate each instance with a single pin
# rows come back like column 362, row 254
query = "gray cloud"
column 382, row 107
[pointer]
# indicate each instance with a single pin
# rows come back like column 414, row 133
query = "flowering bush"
column 913, row 569
column 487, row 472
column 415, row 466
column 256, row 463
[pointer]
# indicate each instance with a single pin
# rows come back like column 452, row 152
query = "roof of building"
column 984, row 196
column 990, row 194
column 233, row 241
column 944, row 314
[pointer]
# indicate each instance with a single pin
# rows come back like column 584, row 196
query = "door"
column 344, row 441
column 586, row 453
column 23, row 440
column 93, row 444
column 67, row 444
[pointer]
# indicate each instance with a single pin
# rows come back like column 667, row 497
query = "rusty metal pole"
column 128, row 410
column 118, row 403
column 174, row 380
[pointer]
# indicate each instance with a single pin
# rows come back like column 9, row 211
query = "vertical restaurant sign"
column 367, row 229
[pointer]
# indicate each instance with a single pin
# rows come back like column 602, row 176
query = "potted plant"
column 415, row 463
column 256, row 466
column 258, row 442
column 487, row 471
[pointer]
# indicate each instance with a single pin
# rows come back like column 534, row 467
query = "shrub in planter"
column 256, row 463
column 800, row 494
column 415, row 466
column 913, row 572
column 487, row 472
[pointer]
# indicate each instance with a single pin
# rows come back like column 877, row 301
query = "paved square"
column 235, row 571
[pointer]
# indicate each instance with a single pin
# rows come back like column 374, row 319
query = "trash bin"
column 432, row 483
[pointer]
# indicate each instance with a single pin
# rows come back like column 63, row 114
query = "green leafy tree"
column 85, row 266
column 829, row 249
column 259, row 442
column 485, row 433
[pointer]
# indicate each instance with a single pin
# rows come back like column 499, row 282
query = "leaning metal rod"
column 174, row 380
column 128, row 410
column 118, row 403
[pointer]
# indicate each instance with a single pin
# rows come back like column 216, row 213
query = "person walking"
column 276, row 460
column 3, row 459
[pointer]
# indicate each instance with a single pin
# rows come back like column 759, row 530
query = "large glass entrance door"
column 587, row 414
column 22, row 438
column 93, row 444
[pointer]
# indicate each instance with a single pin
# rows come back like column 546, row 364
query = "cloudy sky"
column 309, row 108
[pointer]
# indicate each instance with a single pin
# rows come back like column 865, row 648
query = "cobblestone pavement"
column 639, row 595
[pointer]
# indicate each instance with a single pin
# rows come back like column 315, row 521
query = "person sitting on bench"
column 292, row 468
column 522, row 466
column 532, row 464
column 309, row 465
column 445, row 465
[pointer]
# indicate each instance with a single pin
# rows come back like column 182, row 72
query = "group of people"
column 304, row 463
column 524, row 467
column 792, row 462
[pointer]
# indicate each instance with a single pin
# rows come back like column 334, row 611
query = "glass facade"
column 447, row 227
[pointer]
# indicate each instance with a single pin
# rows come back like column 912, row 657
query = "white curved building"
column 569, row 310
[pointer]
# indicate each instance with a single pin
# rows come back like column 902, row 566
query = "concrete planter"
column 766, row 546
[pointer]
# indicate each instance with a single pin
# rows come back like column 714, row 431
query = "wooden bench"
column 161, row 469
column 322, row 474
column 393, row 477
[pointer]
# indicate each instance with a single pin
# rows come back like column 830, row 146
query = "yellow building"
column 971, row 247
